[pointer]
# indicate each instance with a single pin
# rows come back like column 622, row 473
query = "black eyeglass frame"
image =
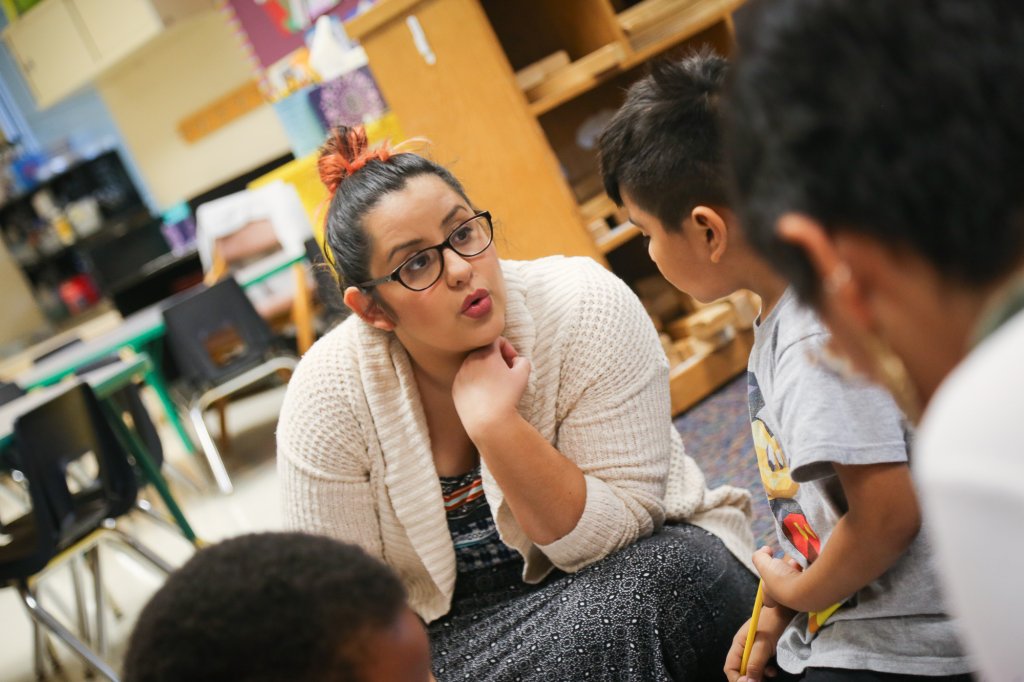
column 394, row 276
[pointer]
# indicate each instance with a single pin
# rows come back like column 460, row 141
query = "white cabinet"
column 118, row 27
column 61, row 45
column 51, row 51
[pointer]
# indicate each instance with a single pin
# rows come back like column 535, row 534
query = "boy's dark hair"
column 898, row 120
column 662, row 146
column 269, row 606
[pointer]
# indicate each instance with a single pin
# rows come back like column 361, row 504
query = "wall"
column 198, row 62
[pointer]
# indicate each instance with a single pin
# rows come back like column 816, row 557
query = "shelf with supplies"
column 50, row 230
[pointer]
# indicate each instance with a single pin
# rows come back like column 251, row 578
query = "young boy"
column 863, row 603
column 279, row 606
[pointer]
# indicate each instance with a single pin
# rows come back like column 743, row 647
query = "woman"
column 498, row 433
column 878, row 150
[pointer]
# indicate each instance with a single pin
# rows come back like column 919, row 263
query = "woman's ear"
column 368, row 310
column 715, row 231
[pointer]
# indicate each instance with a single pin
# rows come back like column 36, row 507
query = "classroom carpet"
column 716, row 432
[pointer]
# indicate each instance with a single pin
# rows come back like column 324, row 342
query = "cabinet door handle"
column 419, row 39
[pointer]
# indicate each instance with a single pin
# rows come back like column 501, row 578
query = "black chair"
column 10, row 391
column 221, row 346
column 70, row 514
column 11, row 477
column 129, row 400
column 327, row 291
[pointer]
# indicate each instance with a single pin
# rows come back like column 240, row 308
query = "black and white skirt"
column 664, row 608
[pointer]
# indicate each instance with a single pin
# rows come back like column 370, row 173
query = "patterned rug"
column 716, row 433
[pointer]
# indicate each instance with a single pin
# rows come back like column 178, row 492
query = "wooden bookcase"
column 447, row 69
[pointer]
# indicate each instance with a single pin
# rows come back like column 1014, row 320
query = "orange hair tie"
column 382, row 153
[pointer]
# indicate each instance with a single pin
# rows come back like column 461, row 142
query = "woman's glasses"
column 420, row 270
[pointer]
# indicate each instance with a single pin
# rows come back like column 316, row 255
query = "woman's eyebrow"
column 402, row 247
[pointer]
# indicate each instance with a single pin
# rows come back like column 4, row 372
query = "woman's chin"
column 486, row 334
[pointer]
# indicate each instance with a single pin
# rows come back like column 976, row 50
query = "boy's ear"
column 842, row 286
column 368, row 310
column 715, row 230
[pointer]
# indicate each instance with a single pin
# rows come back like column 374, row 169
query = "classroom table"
column 105, row 382
column 143, row 332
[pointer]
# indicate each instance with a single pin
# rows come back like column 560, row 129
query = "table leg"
column 153, row 475
column 155, row 378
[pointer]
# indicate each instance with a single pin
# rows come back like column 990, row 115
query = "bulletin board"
column 272, row 28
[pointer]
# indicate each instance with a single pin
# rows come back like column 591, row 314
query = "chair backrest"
column 216, row 333
column 10, row 391
column 129, row 400
column 67, row 429
column 276, row 205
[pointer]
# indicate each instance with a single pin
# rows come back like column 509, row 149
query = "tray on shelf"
column 580, row 73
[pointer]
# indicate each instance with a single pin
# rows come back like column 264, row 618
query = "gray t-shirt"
column 805, row 418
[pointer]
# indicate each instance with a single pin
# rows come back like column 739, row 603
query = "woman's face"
column 465, row 308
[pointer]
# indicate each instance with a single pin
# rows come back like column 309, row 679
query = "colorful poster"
column 276, row 28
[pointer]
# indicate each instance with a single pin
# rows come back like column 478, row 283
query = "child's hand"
column 781, row 577
column 772, row 623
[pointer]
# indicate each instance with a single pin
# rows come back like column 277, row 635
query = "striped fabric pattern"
column 474, row 535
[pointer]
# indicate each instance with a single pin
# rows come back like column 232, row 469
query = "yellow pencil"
column 752, row 631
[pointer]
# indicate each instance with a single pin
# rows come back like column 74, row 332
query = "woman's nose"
column 456, row 268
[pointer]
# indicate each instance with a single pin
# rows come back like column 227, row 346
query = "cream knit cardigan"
column 354, row 452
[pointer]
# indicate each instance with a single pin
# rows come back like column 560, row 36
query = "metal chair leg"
column 209, row 448
column 146, row 507
column 93, row 558
column 37, row 647
column 42, row 617
column 140, row 549
column 75, row 566
column 43, row 648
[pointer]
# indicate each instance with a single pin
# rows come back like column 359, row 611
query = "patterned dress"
column 664, row 608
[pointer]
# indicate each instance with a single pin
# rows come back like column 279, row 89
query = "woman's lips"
column 477, row 304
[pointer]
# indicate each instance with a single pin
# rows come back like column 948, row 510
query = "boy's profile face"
column 686, row 256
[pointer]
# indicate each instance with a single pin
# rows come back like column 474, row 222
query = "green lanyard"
column 1005, row 305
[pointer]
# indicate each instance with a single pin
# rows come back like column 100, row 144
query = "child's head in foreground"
column 279, row 606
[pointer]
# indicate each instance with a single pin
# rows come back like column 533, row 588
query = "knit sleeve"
column 326, row 478
column 617, row 424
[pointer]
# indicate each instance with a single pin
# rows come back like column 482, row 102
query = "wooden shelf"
column 617, row 237
column 608, row 64
column 696, row 378
column 693, row 19
column 599, row 206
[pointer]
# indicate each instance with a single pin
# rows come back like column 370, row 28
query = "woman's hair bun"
column 345, row 151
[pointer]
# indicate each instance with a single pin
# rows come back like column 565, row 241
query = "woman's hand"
column 489, row 385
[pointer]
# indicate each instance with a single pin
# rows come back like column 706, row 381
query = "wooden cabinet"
column 60, row 45
column 448, row 68
column 445, row 74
